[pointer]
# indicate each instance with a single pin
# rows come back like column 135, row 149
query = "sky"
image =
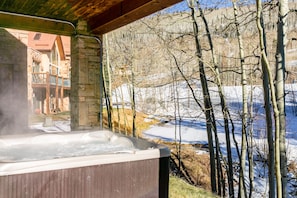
column 182, row 6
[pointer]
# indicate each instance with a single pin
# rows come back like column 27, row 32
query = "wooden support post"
column 47, row 93
column 57, row 93
column 62, row 95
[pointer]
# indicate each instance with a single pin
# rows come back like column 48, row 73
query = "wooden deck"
column 49, row 80
column 47, row 85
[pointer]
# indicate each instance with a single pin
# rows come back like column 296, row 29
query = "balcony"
column 49, row 80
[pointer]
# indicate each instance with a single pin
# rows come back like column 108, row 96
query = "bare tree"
column 283, row 11
column 206, row 96
column 242, row 187
column 226, row 114
column 267, row 103
column 266, row 68
column 107, row 85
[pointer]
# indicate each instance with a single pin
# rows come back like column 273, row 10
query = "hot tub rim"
column 148, row 150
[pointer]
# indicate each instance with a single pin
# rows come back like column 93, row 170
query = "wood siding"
column 124, row 180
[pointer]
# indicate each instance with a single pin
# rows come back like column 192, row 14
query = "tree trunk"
column 242, row 187
column 133, row 105
column 267, row 104
column 250, row 142
column 107, row 85
column 226, row 118
column 280, row 87
column 266, row 69
column 206, row 97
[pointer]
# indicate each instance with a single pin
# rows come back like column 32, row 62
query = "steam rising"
column 13, row 85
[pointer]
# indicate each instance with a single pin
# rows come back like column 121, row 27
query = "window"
column 36, row 66
column 54, row 56
column 37, row 36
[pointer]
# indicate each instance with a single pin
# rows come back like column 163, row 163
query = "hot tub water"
column 53, row 146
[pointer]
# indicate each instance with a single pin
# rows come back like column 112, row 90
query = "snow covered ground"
column 160, row 103
column 190, row 126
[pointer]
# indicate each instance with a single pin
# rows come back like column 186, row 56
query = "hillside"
column 149, row 47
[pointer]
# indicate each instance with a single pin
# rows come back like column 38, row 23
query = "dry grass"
column 123, row 120
column 197, row 165
column 178, row 188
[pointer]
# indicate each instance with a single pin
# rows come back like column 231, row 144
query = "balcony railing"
column 46, row 78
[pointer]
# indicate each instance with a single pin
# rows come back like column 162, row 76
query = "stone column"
column 85, row 82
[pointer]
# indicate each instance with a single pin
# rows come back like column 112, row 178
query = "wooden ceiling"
column 59, row 16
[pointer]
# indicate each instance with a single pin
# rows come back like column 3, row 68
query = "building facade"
column 48, row 71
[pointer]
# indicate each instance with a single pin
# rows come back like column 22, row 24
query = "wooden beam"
column 36, row 24
column 125, row 13
column 47, row 94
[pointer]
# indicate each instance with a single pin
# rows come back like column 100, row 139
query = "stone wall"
column 85, row 84
column 13, row 85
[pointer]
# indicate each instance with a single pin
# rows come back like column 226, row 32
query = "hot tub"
column 94, row 164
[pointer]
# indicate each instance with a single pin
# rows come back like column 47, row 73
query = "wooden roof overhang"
column 61, row 16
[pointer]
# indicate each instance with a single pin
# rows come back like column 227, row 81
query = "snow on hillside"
column 190, row 126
